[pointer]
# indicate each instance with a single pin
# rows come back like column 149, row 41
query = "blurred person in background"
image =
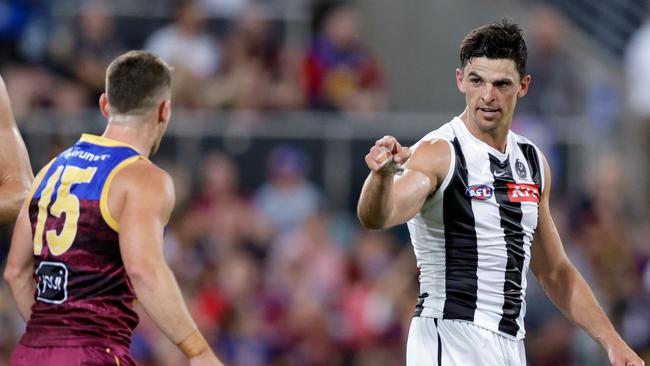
column 79, row 258
column 474, row 195
column 258, row 72
column 191, row 48
column 637, row 71
column 340, row 74
column 557, row 89
column 96, row 44
column 287, row 197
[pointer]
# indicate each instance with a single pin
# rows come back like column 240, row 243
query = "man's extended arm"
column 143, row 197
column 568, row 290
column 19, row 270
column 15, row 171
column 387, row 200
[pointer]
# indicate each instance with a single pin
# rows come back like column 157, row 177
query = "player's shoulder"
column 524, row 141
column 145, row 177
column 444, row 132
column 437, row 142
column 145, row 171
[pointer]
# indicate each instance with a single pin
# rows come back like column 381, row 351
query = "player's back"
column 83, row 294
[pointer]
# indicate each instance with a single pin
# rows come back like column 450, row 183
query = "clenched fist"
column 387, row 155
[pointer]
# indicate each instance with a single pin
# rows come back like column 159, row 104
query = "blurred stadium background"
column 277, row 102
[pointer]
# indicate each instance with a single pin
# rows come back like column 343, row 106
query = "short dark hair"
column 136, row 80
column 497, row 40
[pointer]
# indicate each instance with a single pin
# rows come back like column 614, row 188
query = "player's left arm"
column 15, row 171
column 567, row 288
column 19, row 269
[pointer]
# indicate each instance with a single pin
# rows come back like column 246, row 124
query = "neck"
column 133, row 131
column 497, row 138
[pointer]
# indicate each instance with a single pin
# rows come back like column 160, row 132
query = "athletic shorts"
column 69, row 356
column 445, row 342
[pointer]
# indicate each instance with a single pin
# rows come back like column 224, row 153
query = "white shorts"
column 445, row 342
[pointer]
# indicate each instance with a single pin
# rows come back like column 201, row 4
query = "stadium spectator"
column 556, row 89
column 258, row 72
column 287, row 197
column 340, row 74
column 187, row 45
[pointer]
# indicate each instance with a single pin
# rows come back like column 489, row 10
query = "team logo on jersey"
column 480, row 192
column 523, row 192
column 521, row 169
column 52, row 286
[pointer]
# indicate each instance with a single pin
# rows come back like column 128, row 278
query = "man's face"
column 491, row 88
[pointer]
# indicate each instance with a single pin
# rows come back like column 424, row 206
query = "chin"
column 489, row 126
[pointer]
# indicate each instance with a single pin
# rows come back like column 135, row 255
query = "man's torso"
column 472, row 238
column 83, row 294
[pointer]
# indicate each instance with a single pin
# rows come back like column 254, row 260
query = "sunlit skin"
column 491, row 88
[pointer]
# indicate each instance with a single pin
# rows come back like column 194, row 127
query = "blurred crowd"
column 241, row 62
column 272, row 274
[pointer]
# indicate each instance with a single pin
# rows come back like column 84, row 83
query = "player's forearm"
column 159, row 294
column 22, row 288
column 12, row 196
column 374, row 207
column 572, row 295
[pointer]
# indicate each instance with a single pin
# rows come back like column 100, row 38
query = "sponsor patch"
column 480, row 192
column 523, row 192
column 52, row 286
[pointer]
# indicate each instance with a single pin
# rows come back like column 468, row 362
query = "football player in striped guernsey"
column 475, row 196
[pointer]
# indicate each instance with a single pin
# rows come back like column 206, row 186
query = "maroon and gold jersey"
column 83, row 294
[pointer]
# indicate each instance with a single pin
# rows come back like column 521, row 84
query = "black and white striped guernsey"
column 472, row 238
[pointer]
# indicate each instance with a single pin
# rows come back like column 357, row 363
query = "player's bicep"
column 147, row 203
column 423, row 174
column 21, row 252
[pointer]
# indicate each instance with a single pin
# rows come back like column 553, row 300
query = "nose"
column 488, row 93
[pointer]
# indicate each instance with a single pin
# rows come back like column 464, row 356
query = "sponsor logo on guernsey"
column 480, row 192
column 52, row 282
column 523, row 192
column 85, row 155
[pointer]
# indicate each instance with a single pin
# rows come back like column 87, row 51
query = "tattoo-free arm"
column 15, row 170
column 568, row 290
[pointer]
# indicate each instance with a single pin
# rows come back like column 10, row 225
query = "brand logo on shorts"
column 480, row 192
column 523, row 192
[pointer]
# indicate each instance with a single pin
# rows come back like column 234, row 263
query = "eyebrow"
column 501, row 81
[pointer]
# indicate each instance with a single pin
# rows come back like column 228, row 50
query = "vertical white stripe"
column 530, row 212
column 492, row 253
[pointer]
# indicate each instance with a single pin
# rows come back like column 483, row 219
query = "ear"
column 103, row 105
column 164, row 111
column 459, row 80
column 524, row 84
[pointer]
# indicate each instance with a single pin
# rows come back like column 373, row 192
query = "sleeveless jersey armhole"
column 542, row 168
column 103, row 200
column 38, row 180
column 450, row 172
